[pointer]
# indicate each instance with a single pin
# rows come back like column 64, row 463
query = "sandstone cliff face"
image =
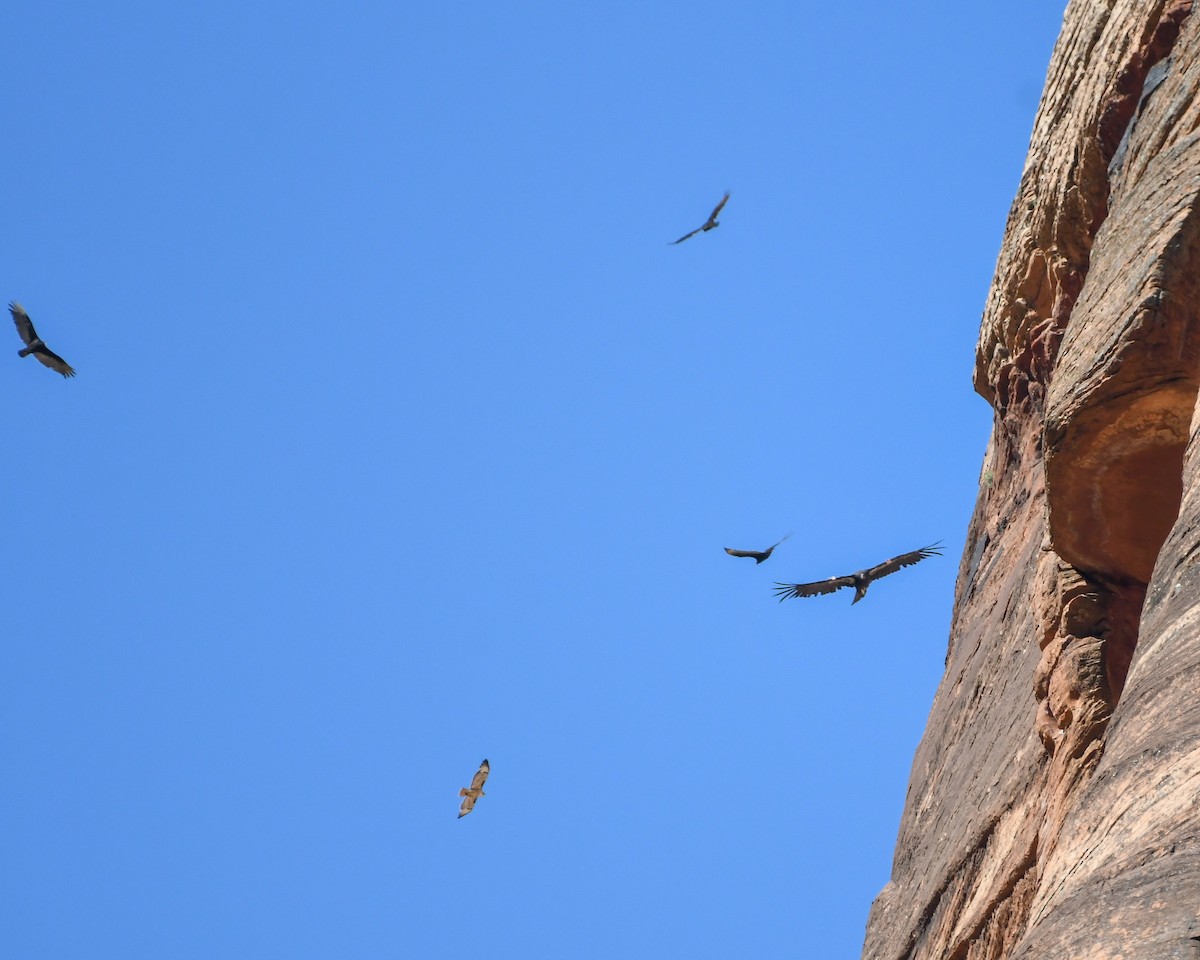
column 1054, row 804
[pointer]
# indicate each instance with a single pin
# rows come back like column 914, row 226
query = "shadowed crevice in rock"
column 1119, row 412
column 997, row 932
column 1131, row 89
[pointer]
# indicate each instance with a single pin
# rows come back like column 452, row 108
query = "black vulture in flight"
column 758, row 555
column 859, row 581
column 34, row 344
column 709, row 223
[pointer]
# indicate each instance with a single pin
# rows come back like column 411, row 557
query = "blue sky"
column 402, row 438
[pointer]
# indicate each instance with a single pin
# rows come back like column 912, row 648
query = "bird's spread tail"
column 463, row 792
column 26, row 352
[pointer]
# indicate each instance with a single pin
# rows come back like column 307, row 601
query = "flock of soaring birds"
column 859, row 580
column 34, row 345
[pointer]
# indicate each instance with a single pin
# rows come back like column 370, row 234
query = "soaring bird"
column 709, row 223
column 859, row 581
column 758, row 555
column 34, row 343
column 474, row 791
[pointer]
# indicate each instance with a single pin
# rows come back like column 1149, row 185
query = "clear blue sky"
column 402, row 438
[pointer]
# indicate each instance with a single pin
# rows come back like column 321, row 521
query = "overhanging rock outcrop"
column 1054, row 805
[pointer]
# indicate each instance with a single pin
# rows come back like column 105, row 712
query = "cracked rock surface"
column 1054, row 804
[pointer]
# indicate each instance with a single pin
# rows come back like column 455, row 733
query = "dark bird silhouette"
column 709, row 223
column 758, row 555
column 34, row 343
column 474, row 791
column 859, row 581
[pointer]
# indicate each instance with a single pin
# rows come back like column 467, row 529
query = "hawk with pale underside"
column 474, row 791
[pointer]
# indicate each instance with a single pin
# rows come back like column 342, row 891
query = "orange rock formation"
column 1054, row 804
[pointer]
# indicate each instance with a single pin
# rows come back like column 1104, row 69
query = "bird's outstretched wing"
column 52, row 360
column 24, row 324
column 712, row 217
column 468, row 803
column 687, row 236
column 816, row 589
column 481, row 775
column 904, row 560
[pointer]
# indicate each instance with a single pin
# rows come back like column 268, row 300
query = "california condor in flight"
column 859, row 581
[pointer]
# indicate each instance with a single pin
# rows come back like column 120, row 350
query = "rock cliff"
column 1054, row 805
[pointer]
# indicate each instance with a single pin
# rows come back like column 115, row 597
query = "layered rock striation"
column 1054, row 804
